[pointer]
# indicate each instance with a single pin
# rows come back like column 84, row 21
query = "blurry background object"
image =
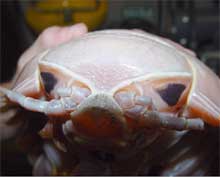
column 194, row 24
column 64, row 12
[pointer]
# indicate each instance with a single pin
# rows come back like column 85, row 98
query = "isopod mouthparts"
column 99, row 116
column 102, row 102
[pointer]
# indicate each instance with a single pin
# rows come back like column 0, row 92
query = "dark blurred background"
column 194, row 24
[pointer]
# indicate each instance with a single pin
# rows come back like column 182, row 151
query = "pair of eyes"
column 170, row 94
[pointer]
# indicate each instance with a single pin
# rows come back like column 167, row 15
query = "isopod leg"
column 53, row 107
column 164, row 120
column 26, row 102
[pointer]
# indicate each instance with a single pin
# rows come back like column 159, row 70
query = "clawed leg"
column 53, row 107
column 165, row 120
column 133, row 104
column 142, row 106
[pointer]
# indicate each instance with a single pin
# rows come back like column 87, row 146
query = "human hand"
column 49, row 38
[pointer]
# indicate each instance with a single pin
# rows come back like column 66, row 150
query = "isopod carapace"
column 110, row 85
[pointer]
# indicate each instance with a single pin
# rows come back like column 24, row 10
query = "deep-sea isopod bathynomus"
column 114, row 102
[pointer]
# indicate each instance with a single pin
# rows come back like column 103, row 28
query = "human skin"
column 49, row 38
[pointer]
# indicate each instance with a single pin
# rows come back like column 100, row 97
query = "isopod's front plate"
column 108, row 58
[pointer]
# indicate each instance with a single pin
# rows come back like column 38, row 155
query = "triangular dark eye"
column 171, row 93
column 49, row 81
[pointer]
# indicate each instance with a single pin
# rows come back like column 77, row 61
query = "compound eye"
column 171, row 93
column 49, row 81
